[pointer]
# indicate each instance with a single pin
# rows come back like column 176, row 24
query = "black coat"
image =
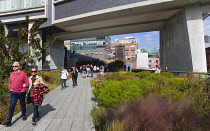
column 74, row 73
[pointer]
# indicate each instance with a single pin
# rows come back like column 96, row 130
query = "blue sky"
column 151, row 39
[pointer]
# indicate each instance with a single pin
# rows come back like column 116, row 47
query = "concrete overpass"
column 180, row 23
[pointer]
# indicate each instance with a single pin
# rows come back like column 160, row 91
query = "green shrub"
column 99, row 117
column 120, row 76
column 112, row 93
column 143, row 74
column 167, row 74
column 177, row 83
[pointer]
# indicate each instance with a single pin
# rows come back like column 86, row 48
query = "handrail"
column 4, row 110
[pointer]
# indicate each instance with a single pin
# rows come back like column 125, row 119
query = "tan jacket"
column 37, row 81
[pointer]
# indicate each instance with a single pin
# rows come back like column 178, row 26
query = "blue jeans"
column 36, row 110
column 91, row 73
column 63, row 83
column 14, row 96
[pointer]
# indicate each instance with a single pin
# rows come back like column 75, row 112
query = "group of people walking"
column 64, row 74
column 88, row 70
column 18, row 85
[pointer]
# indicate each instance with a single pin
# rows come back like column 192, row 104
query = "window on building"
column 91, row 53
column 126, row 49
column 150, row 60
column 96, row 52
column 82, row 53
column 133, row 45
column 156, row 61
column 150, row 66
column 132, row 49
column 126, row 45
column 87, row 53
column 101, row 53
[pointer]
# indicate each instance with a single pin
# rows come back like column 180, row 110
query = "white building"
column 142, row 59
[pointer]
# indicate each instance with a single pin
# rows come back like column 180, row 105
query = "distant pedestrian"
column 88, row 70
column 157, row 69
column 101, row 69
column 94, row 69
column 84, row 70
column 166, row 69
column 18, row 84
column 74, row 74
column 91, row 70
column 64, row 75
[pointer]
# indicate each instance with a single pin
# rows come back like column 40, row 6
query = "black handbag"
column 28, row 98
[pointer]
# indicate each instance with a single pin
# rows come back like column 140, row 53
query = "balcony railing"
column 12, row 5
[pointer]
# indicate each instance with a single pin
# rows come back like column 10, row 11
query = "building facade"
column 95, row 47
column 129, row 46
column 207, row 44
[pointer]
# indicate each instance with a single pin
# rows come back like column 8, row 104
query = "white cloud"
column 147, row 35
column 149, row 39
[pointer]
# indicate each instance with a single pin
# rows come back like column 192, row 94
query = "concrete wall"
column 56, row 56
column 76, row 7
column 182, row 45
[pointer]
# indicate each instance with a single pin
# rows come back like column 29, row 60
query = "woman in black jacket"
column 74, row 74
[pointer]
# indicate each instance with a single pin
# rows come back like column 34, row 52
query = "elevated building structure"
column 180, row 23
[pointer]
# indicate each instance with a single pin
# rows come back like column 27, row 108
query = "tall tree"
column 25, row 48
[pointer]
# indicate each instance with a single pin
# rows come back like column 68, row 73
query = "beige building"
column 123, row 47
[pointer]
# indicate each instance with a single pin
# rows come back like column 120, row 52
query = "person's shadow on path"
column 43, row 111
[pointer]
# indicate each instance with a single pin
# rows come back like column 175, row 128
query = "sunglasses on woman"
column 33, row 71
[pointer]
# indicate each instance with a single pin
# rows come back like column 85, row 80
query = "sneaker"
column 33, row 122
column 24, row 118
column 6, row 123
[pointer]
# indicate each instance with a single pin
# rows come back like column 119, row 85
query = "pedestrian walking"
column 84, row 70
column 64, row 75
column 101, row 70
column 88, row 70
column 74, row 74
column 35, row 91
column 91, row 70
column 18, row 84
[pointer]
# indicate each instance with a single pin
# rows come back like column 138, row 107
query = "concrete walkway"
column 62, row 110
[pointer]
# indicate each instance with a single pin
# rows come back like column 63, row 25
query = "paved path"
column 62, row 110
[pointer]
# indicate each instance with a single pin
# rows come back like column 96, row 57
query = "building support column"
column 57, row 53
column 182, row 46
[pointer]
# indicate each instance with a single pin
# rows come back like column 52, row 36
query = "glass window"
column 101, row 53
column 133, row 45
column 156, row 61
column 126, row 45
column 91, row 53
column 87, row 53
column 96, row 52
